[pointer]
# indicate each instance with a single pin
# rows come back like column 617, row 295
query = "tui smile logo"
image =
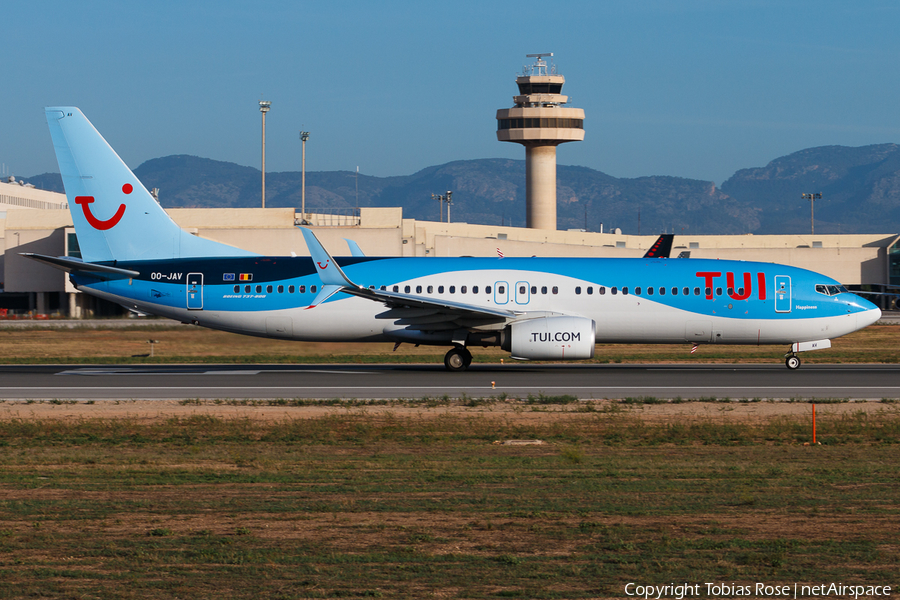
column 86, row 201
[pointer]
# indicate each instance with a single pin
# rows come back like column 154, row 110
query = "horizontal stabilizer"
column 74, row 265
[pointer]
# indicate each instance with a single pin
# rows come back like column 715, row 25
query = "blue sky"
column 691, row 88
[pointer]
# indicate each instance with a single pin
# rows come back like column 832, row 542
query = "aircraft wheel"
column 457, row 359
column 467, row 356
column 792, row 362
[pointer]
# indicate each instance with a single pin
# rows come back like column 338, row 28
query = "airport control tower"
column 540, row 123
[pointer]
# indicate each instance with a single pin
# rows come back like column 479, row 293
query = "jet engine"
column 550, row 338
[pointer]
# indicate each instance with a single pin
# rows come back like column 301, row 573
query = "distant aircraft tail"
column 115, row 216
column 662, row 247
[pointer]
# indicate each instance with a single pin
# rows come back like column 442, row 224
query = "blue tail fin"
column 115, row 216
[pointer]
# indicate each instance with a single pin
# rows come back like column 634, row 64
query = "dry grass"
column 355, row 503
column 876, row 344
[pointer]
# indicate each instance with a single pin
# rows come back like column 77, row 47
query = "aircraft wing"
column 417, row 312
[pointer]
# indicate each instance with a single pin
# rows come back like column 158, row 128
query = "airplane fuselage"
column 629, row 300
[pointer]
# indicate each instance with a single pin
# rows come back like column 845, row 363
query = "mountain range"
column 860, row 190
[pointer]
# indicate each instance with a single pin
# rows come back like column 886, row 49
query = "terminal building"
column 39, row 221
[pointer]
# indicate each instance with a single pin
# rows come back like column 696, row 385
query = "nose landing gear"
column 458, row 358
column 792, row 361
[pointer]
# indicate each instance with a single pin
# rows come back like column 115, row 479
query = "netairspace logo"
column 758, row 590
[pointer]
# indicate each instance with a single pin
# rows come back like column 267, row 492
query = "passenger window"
column 686, row 291
column 462, row 290
column 696, row 291
column 396, row 288
column 662, row 291
column 259, row 289
column 731, row 291
column 674, row 291
column 601, row 290
column 718, row 291
column 418, row 289
column 544, row 289
column 740, row 292
column 452, row 289
column 578, row 290
column 280, row 289
column 440, row 289
column 637, row 291
column 533, row 290
column 312, row 289
column 650, row 291
column 708, row 292
column 614, row 291
column 487, row 289
column 302, row 289
column 625, row 291
column 383, row 289
column 590, row 291
column 246, row 289
column 555, row 290
column 268, row 289
column 290, row 289
column 406, row 290
column 430, row 289
column 237, row 289
column 474, row 289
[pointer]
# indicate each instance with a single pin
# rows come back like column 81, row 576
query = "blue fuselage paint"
column 630, row 300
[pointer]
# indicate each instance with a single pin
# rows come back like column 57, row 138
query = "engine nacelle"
column 550, row 338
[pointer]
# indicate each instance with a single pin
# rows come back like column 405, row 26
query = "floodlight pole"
column 264, row 108
column 449, row 200
column 812, row 197
column 304, row 135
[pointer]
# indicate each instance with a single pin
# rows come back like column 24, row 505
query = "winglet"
column 324, row 294
column 329, row 271
column 355, row 250
column 333, row 277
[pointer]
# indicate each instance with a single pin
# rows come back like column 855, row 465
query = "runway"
column 418, row 381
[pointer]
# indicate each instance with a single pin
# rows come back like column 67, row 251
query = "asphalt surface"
column 418, row 381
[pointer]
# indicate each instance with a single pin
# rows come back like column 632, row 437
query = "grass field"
column 876, row 344
column 400, row 503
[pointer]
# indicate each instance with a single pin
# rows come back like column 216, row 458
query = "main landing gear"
column 792, row 361
column 458, row 359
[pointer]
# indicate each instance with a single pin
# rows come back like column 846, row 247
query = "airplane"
column 537, row 308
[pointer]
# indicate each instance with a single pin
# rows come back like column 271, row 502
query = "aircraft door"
column 195, row 291
column 782, row 294
column 523, row 294
column 501, row 292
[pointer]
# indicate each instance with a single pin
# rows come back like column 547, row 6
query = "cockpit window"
column 830, row 290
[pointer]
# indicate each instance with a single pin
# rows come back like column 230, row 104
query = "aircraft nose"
column 867, row 317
